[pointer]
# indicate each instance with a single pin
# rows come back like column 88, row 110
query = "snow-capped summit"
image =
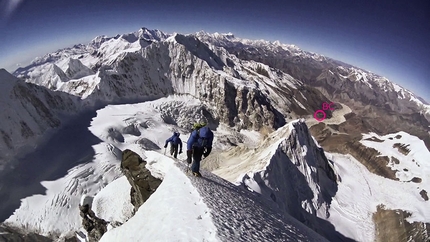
column 50, row 76
column 155, row 34
column 99, row 40
column 75, row 69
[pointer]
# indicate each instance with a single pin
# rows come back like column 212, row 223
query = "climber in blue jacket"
column 199, row 144
column 174, row 141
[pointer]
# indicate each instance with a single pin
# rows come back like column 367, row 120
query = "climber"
column 174, row 142
column 199, row 144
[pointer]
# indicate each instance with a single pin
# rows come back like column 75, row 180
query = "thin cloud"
column 8, row 7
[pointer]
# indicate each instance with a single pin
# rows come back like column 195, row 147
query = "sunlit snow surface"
column 139, row 127
column 416, row 163
column 118, row 128
column 360, row 192
column 56, row 212
column 179, row 212
column 185, row 208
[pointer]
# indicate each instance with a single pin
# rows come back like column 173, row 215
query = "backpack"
column 205, row 137
column 176, row 140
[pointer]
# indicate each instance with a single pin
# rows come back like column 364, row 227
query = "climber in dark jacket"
column 174, row 142
column 199, row 144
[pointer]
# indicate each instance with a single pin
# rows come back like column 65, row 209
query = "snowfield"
column 413, row 164
column 359, row 194
column 186, row 208
column 56, row 212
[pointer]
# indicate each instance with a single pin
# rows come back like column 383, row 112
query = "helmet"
column 198, row 125
column 203, row 120
column 201, row 123
column 176, row 133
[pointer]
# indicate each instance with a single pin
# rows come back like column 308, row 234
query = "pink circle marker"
column 319, row 111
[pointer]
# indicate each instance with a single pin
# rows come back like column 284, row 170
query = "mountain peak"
column 7, row 80
column 151, row 35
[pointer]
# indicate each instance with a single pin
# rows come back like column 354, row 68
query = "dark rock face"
column 95, row 226
column 424, row 195
column 143, row 184
column 14, row 235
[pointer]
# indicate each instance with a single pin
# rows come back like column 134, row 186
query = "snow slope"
column 357, row 192
column 407, row 166
column 360, row 192
column 90, row 161
column 55, row 213
column 221, row 208
column 28, row 112
column 175, row 212
column 205, row 209
column 120, row 189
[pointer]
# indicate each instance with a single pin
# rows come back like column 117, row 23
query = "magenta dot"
column 319, row 111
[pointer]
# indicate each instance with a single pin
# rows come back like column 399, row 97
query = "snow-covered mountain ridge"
column 110, row 70
column 190, row 209
column 237, row 96
column 28, row 112
column 143, row 128
column 339, row 81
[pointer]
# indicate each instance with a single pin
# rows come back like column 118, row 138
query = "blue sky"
column 389, row 38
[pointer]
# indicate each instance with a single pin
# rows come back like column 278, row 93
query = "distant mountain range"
column 241, row 84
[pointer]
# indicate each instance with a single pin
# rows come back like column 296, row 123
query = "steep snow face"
column 174, row 212
column 55, row 213
column 297, row 176
column 28, row 111
column 113, row 203
column 75, row 69
column 49, row 76
column 7, row 81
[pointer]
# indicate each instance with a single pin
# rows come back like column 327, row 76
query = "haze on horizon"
column 387, row 38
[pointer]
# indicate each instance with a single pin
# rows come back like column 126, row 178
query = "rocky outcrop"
column 94, row 226
column 143, row 184
column 14, row 235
